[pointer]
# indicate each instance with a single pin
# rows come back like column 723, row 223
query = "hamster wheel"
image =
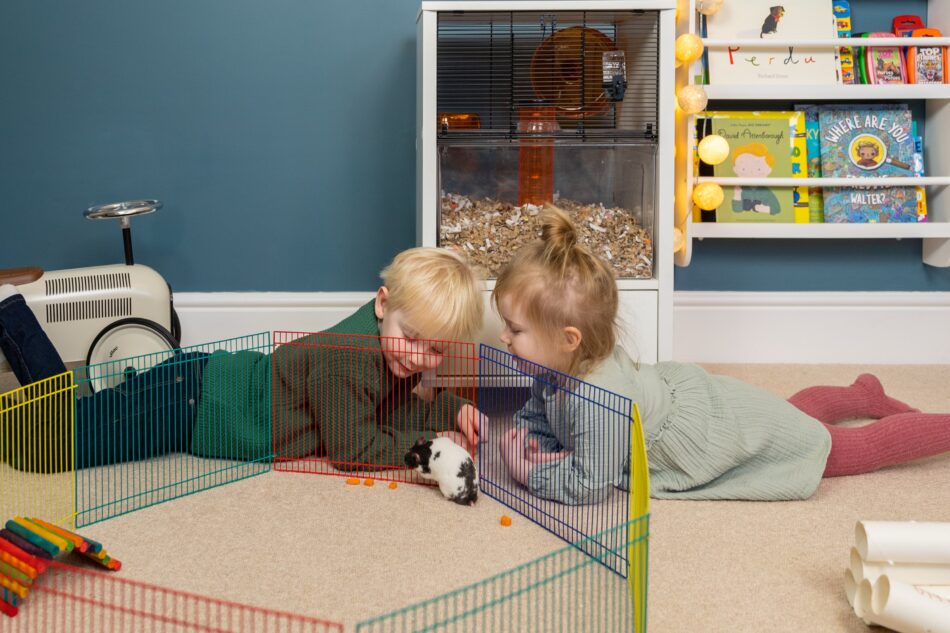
column 567, row 71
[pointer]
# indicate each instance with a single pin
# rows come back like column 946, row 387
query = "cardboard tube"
column 903, row 541
column 904, row 607
column 850, row 586
column 912, row 573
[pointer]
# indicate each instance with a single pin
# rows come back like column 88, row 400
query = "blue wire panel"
column 587, row 493
column 160, row 426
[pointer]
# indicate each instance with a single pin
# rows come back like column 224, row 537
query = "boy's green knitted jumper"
column 329, row 399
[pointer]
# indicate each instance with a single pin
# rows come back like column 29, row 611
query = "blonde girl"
column 707, row 436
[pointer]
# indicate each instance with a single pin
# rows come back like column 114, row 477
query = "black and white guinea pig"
column 449, row 465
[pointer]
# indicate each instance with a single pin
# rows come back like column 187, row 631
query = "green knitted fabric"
column 332, row 395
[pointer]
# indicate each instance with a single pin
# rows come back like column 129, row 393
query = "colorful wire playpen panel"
column 516, row 393
column 76, row 600
column 36, row 450
column 161, row 426
column 368, row 399
column 240, row 389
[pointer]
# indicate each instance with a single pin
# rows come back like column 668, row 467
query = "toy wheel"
column 127, row 338
column 176, row 326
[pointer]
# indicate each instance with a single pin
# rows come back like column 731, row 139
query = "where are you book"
column 765, row 66
column 761, row 145
column 874, row 143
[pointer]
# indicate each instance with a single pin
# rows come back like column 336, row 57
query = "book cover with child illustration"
column 761, row 145
column 869, row 143
column 764, row 65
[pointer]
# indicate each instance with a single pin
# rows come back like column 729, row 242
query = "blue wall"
column 280, row 136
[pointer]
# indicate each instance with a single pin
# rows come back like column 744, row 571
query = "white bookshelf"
column 935, row 233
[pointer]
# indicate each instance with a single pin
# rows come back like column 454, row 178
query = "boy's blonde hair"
column 756, row 149
column 438, row 292
column 560, row 283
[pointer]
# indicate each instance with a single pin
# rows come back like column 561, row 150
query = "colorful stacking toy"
column 27, row 546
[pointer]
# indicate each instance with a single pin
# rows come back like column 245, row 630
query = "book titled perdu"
column 874, row 144
column 772, row 65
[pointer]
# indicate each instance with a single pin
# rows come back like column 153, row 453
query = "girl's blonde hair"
column 559, row 283
column 437, row 291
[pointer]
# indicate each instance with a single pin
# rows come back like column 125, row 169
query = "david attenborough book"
column 772, row 65
column 871, row 143
column 761, row 145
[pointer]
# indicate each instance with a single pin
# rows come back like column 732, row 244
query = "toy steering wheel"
column 123, row 211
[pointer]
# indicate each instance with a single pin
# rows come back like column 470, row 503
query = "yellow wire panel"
column 37, row 439
column 639, row 525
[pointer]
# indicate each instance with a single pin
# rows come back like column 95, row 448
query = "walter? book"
column 875, row 144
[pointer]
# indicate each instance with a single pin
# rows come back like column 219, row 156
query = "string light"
column 689, row 48
column 708, row 196
column 692, row 99
column 713, row 149
column 708, row 7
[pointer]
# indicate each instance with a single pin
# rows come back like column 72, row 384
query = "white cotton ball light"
column 708, row 196
column 689, row 48
column 708, row 7
column 713, row 149
column 692, row 99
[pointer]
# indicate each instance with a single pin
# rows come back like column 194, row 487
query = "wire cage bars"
column 174, row 423
column 567, row 590
column 78, row 600
column 36, row 450
column 347, row 404
column 579, row 496
column 597, row 71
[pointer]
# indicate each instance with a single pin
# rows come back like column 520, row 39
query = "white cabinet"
column 935, row 233
column 491, row 88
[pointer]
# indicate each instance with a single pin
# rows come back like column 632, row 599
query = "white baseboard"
column 709, row 327
column 213, row 316
column 812, row 327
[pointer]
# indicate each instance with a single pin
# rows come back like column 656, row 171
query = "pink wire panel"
column 75, row 600
column 347, row 404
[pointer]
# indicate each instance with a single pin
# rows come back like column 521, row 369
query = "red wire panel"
column 350, row 405
column 68, row 599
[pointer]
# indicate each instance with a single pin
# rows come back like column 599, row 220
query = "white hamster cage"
column 526, row 103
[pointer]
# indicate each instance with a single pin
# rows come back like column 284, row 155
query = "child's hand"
column 470, row 420
column 534, row 455
column 511, row 446
column 459, row 439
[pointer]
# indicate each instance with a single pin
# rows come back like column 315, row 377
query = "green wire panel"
column 36, row 456
column 567, row 590
column 160, row 426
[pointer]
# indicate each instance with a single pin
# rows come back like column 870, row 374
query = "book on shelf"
column 764, row 66
column 813, row 145
column 876, row 143
column 761, row 145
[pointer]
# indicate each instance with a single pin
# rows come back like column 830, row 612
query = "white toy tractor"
column 103, row 313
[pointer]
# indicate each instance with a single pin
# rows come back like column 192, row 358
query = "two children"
column 707, row 436
column 218, row 405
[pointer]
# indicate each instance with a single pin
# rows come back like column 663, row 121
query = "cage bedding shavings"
column 490, row 231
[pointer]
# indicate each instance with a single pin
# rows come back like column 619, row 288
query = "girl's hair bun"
column 558, row 234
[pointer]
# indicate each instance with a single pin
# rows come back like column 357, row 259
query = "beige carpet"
column 314, row 545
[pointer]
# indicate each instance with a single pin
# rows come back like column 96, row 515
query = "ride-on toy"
column 103, row 313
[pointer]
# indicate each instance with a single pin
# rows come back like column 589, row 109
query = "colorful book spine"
column 842, row 12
